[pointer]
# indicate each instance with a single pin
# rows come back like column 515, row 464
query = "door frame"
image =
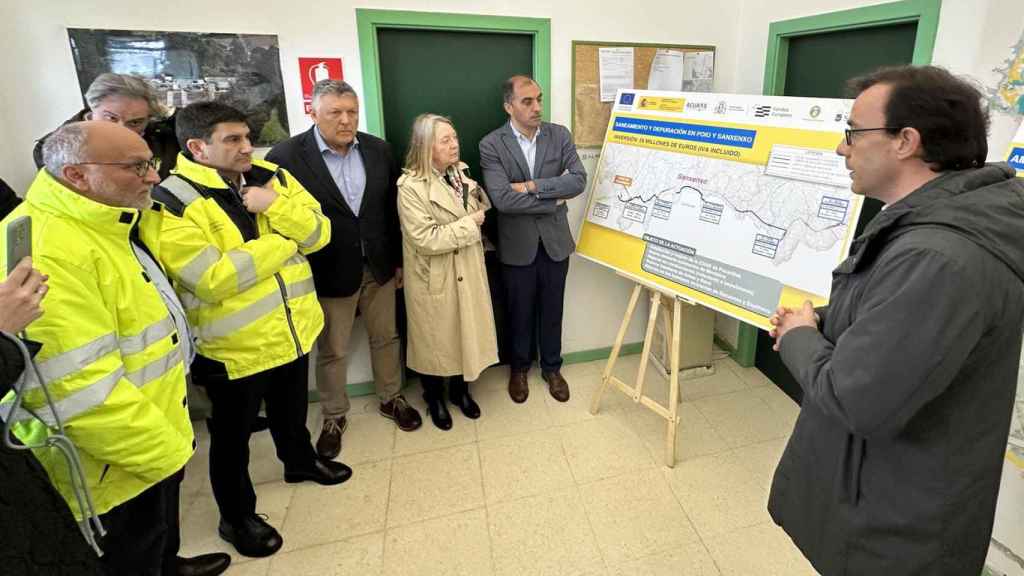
column 924, row 12
column 369, row 21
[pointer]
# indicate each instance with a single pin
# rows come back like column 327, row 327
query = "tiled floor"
column 534, row 489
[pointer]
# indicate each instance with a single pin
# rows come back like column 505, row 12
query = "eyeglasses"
column 851, row 131
column 141, row 168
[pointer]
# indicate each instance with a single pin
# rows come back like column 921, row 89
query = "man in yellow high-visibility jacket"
column 234, row 239
column 114, row 346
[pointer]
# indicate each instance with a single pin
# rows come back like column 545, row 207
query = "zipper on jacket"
column 106, row 468
column 288, row 314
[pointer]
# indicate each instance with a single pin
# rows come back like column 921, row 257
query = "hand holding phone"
column 20, row 296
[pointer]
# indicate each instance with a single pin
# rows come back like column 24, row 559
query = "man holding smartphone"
column 114, row 346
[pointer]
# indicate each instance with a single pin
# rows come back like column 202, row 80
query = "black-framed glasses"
column 851, row 131
column 141, row 167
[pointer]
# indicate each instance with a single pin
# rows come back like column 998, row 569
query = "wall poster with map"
column 737, row 202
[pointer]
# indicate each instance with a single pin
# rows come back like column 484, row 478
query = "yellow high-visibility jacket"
column 243, row 279
column 111, row 356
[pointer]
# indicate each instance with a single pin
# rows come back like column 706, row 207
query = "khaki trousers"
column 376, row 303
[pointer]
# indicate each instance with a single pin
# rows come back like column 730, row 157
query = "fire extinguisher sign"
column 313, row 70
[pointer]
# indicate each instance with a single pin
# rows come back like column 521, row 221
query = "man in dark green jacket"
column 909, row 374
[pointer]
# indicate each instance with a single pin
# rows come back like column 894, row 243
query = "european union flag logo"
column 627, row 98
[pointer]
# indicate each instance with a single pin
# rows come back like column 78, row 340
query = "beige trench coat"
column 447, row 297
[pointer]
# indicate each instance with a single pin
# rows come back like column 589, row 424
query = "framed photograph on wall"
column 243, row 70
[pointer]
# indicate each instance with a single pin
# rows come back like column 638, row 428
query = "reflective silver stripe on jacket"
column 76, row 403
column 313, row 238
column 231, row 323
column 152, row 334
column 245, row 268
column 181, row 189
column 156, row 368
column 71, row 361
column 191, row 273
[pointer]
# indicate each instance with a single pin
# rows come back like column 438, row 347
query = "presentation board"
column 737, row 202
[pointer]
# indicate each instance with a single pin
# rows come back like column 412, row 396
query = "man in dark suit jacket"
column 354, row 177
column 530, row 169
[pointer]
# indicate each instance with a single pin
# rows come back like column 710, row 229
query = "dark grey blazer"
column 526, row 219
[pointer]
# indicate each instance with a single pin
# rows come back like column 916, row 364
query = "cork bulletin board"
column 590, row 115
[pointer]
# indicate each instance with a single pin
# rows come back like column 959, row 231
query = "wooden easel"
column 636, row 392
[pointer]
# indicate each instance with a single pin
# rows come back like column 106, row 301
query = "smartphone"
column 19, row 241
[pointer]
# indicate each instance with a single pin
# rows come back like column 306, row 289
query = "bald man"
column 115, row 346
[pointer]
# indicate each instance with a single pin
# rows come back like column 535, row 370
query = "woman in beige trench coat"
column 447, row 298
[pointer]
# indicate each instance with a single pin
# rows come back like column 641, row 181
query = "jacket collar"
column 51, row 195
column 260, row 173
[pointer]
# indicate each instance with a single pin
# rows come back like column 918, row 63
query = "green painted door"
column 456, row 74
column 818, row 65
column 453, row 73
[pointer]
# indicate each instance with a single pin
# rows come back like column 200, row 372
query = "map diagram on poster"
column 738, row 202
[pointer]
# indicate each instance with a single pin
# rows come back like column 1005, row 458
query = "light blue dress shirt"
column 348, row 171
column 528, row 146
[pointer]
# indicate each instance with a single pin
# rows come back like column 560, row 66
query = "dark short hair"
column 200, row 119
column 508, row 87
column 947, row 111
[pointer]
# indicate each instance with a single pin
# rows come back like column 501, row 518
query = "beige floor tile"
column 718, row 494
column 429, row 437
column 199, row 522
column 694, row 434
column 361, row 555
column 501, row 417
column 636, row 515
column 455, row 545
column 764, row 550
column 433, row 484
column 742, row 418
column 322, row 514
column 779, row 402
column 369, row 438
column 524, row 465
column 581, row 394
column 762, row 459
column 692, row 560
column 263, row 463
column 543, row 535
column 723, row 381
column 604, row 447
column 752, row 376
column 259, row 567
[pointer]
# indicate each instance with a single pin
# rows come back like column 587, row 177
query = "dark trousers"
column 143, row 534
column 535, row 295
column 236, row 404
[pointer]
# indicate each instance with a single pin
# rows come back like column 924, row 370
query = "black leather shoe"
column 252, row 536
column 204, row 565
column 458, row 394
column 326, row 472
column 438, row 410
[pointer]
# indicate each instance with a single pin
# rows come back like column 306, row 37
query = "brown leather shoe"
column 328, row 446
column 399, row 410
column 557, row 385
column 518, row 389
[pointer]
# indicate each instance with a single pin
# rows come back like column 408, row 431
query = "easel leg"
column 595, row 404
column 645, row 356
column 673, row 390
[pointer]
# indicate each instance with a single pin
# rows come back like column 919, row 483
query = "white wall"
column 46, row 90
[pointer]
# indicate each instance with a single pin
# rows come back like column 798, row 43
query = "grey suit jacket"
column 524, row 220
